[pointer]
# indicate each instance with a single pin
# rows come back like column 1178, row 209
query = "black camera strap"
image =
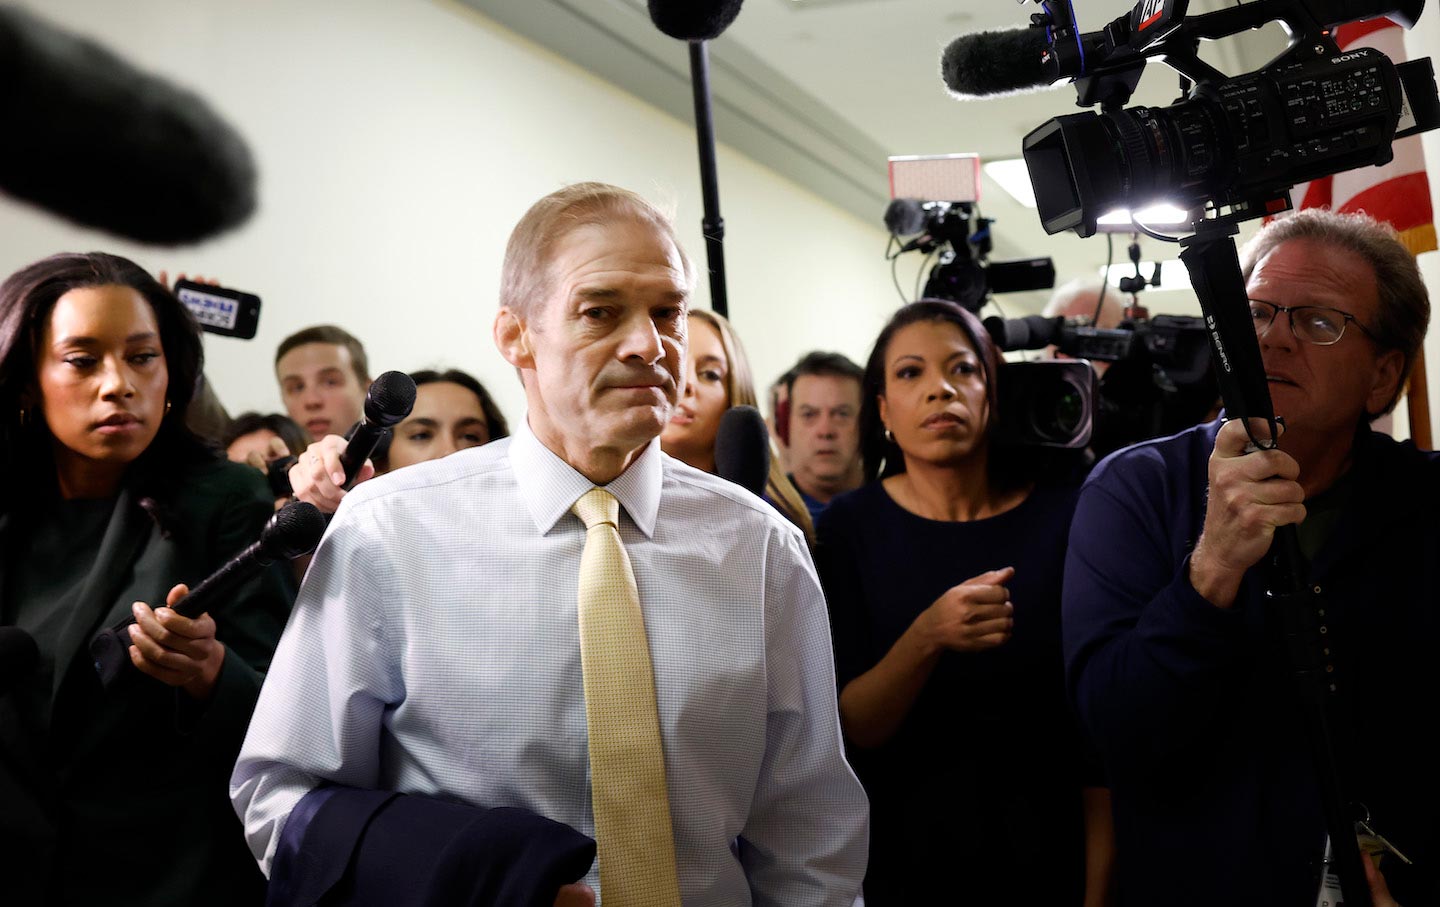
column 1210, row 257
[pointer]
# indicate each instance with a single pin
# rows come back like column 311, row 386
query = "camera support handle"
column 1210, row 257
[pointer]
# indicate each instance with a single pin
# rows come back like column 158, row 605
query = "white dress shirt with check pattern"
column 433, row 649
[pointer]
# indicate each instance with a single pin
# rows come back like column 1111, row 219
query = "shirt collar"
column 549, row 486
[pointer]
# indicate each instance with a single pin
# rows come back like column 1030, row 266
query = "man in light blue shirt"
column 434, row 647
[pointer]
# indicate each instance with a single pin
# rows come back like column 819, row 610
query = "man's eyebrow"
column 597, row 293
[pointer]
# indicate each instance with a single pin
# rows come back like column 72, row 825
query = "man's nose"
column 641, row 340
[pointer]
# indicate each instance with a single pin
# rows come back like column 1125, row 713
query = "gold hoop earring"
column 889, row 437
column 167, row 407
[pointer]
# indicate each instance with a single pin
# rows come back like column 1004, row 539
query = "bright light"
column 1154, row 217
column 1012, row 176
column 1173, row 275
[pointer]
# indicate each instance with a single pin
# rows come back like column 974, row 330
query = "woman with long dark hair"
column 118, row 796
column 943, row 575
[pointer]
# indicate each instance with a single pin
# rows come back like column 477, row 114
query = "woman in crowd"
column 717, row 378
column 943, row 577
column 255, row 439
column 119, row 796
column 453, row 411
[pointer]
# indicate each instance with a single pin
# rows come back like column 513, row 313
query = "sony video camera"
column 1232, row 145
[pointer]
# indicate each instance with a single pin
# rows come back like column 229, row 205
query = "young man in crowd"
column 323, row 374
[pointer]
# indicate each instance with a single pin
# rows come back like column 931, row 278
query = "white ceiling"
column 824, row 90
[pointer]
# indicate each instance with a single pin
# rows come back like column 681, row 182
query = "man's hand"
column 1379, row 891
column 317, row 476
column 178, row 651
column 1251, row 494
column 973, row 616
column 576, row 894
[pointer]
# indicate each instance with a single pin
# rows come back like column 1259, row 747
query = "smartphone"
column 220, row 310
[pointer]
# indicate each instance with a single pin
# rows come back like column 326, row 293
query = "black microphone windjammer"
column 693, row 20
column 991, row 63
column 18, row 657
column 295, row 529
column 905, row 216
column 742, row 449
column 387, row 403
column 98, row 142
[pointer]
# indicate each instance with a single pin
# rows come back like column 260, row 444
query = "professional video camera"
column 1229, row 150
column 1233, row 145
column 964, row 273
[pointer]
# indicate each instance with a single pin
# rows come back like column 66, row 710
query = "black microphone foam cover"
column 742, row 448
column 295, row 529
column 905, row 216
column 390, row 399
column 693, row 20
column 18, row 657
column 96, row 141
column 993, row 63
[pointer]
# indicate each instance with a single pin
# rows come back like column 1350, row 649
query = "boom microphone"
column 104, row 145
column 693, row 20
column 905, row 216
column 387, row 403
column 295, row 529
column 18, row 657
column 993, row 63
column 1029, row 332
column 742, row 449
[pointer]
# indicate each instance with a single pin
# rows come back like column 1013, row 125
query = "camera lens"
column 1058, row 412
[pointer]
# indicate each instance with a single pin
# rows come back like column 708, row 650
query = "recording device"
column 387, row 403
column 697, row 22
column 295, row 529
column 166, row 168
column 1161, row 380
column 964, row 274
column 1232, row 145
column 1046, row 403
column 1231, row 149
column 220, row 310
column 742, row 449
column 18, row 657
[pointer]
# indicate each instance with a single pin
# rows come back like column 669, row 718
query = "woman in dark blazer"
column 118, row 796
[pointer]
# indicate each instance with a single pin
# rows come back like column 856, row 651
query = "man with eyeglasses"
column 1172, row 653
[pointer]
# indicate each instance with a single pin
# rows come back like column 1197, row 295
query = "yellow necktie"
column 627, row 765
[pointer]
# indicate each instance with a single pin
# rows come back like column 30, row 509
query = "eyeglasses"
column 1317, row 324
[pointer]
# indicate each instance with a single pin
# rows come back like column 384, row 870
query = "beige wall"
column 400, row 140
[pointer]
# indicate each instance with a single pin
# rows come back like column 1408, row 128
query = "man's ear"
column 512, row 339
column 1383, row 389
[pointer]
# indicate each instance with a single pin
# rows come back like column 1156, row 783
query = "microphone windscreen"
column 905, row 216
column 295, row 529
column 96, row 141
column 693, row 20
column 742, row 449
column 1030, row 332
column 18, row 657
column 995, row 63
column 390, row 399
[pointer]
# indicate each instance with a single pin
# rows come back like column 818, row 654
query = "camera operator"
column 1172, row 653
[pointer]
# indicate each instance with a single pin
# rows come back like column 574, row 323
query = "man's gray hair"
column 1404, row 311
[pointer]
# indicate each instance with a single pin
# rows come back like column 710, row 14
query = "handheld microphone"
column 167, row 168
column 387, row 403
column 295, row 529
column 18, row 657
column 742, row 449
column 995, row 63
column 693, row 20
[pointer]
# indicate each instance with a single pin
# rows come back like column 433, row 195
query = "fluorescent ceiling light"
column 1012, row 176
column 1173, row 275
column 1155, row 216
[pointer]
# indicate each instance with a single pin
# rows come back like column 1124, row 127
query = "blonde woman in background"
column 718, row 377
